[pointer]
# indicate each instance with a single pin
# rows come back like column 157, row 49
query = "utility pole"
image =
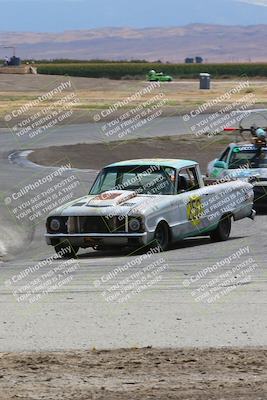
column 9, row 47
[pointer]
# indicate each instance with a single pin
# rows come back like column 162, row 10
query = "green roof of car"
column 173, row 163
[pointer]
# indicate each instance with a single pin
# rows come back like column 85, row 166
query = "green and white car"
column 244, row 161
column 140, row 203
column 154, row 76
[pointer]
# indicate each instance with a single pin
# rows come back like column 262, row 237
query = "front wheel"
column 161, row 236
column 223, row 230
column 66, row 250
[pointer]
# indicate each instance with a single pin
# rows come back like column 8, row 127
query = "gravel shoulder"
column 136, row 374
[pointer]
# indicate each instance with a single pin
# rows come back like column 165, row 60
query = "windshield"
column 250, row 158
column 141, row 179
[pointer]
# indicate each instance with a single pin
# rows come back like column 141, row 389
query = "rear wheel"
column 65, row 250
column 223, row 230
column 162, row 236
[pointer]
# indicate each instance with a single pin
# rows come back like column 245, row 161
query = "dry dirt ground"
column 221, row 374
column 98, row 155
column 96, row 94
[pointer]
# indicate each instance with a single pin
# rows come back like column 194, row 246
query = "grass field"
column 130, row 70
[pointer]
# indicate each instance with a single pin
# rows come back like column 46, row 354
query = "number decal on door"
column 195, row 210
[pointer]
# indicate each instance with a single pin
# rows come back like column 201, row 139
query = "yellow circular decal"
column 195, row 210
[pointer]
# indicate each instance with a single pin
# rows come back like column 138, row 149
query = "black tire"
column 162, row 236
column 223, row 230
column 66, row 250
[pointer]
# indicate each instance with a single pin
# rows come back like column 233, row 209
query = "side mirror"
column 220, row 164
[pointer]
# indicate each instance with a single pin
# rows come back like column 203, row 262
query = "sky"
column 62, row 15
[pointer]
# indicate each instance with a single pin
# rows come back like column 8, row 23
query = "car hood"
column 119, row 202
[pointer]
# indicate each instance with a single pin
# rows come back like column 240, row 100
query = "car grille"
column 96, row 224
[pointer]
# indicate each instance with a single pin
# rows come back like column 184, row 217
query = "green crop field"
column 135, row 70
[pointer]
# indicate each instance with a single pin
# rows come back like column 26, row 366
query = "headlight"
column 134, row 224
column 54, row 224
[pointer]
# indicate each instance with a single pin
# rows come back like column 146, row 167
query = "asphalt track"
column 166, row 314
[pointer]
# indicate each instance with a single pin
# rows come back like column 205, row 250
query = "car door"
column 189, row 206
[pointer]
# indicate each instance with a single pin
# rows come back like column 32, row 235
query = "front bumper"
column 91, row 239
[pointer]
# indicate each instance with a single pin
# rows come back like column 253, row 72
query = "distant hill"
column 214, row 43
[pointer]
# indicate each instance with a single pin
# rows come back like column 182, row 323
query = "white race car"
column 138, row 203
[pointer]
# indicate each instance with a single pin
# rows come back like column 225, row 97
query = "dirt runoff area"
column 219, row 374
column 95, row 94
column 95, row 156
